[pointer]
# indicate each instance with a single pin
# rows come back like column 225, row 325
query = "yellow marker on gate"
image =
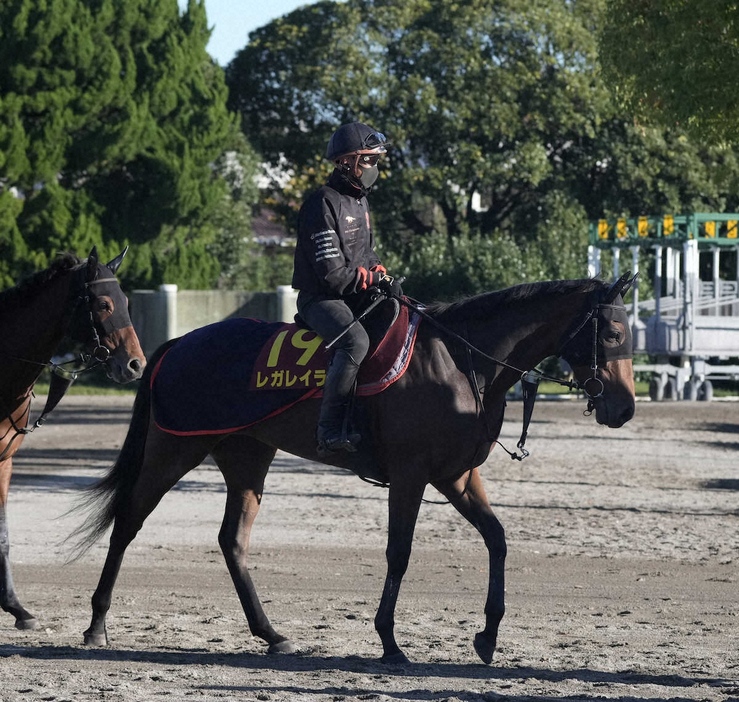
column 642, row 227
column 710, row 229
column 668, row 225
column 731, row 230
column 621, row 230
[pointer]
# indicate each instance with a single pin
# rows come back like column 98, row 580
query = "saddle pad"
column 235, row 373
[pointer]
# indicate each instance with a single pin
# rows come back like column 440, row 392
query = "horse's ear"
column 92, row 263
column 116, row 262
column 618, row 288
column 629, row 283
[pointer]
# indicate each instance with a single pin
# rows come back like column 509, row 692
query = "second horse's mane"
column 28, row 287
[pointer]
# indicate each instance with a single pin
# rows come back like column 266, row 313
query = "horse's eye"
column 612, row 336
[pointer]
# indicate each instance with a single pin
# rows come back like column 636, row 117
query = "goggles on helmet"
column 375, row 141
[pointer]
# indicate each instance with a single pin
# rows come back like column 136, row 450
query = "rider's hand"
column 386, row 284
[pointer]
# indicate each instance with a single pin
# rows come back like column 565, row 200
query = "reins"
column 58, row 386
column 571, row 384
column 530, row 379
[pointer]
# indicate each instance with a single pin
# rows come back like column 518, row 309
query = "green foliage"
column 506, row 140
column 265, row 267
column 443, row 267
column 112, row 115
column 244, row 264
column 674, row 62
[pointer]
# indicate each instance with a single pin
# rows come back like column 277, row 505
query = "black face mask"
column 614, row 333
column 614, row 340
column 368, row 176
column 120, row 318
column 81, row 329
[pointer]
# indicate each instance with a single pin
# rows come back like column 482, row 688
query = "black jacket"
column 335, row 251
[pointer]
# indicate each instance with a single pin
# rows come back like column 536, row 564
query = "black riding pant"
column 329, row 317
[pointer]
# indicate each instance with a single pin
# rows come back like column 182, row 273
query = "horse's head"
column 103, row 323
column 599, row 350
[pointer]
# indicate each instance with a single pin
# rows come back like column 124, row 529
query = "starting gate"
column 690, row 327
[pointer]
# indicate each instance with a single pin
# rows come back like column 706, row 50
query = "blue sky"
column 232, row 20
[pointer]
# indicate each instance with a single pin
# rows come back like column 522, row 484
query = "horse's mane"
column 29, row 286
column 486, row 304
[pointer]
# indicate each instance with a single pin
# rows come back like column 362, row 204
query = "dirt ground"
column 622, row 576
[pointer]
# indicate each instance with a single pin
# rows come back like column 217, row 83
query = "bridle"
column 598, row 353
column 100, row 353
column 597, row 306
column 83, row 331
column 61, row 377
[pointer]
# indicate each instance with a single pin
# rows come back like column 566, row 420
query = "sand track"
column 622, row 578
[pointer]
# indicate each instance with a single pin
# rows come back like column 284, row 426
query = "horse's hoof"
column 398, row 658
column 485, row 648
column 285, row 646
column 97, row 640
column 26, row 624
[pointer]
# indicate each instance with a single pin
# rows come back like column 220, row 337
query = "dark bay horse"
column 435, row 425
column 81, row 300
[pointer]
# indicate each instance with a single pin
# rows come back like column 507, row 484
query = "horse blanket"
column 260, row 369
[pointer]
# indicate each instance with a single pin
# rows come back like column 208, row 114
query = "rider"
column 335, row 265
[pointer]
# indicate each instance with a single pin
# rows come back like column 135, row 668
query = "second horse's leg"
column 244, row 462
column 8, row 599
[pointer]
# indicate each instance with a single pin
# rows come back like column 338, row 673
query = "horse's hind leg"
column 244, row 462
column 467, row 494
column 166, row 459
column 8, row 599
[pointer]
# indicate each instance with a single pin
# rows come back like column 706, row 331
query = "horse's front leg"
column 467, row 494
column 404, row 501
column 8, row 599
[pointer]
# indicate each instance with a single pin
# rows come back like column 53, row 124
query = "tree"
column 112, row 115
column 506, row 141
column 674, row 62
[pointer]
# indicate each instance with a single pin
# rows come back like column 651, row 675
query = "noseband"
column 117, row 320
column 593, row 386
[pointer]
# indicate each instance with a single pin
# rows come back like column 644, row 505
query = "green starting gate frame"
column 709, row 229
column 690, row 321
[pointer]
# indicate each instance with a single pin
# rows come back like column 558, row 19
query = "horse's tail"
column 103, row 499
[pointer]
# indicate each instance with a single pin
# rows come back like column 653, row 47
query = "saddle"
column 377, row 323
column 255, row 370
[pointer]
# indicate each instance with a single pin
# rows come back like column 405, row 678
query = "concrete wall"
column 166, row 313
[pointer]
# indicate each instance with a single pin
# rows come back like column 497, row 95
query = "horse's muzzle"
column 122, row 368
column 613, row 414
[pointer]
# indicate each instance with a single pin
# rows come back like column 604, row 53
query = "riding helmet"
column 355, row 138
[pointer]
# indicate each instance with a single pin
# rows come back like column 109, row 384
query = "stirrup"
column 340, row 442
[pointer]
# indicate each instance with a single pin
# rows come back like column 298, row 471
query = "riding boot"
column 332, row 431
